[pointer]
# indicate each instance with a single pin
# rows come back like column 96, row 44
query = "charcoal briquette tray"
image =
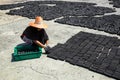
column 26, row 52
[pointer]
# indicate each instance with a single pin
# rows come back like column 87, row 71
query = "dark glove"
column 47, row 49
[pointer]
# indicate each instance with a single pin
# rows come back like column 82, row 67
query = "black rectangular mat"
column 98, row 53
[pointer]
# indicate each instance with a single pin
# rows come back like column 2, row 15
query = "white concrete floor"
column 43, row 68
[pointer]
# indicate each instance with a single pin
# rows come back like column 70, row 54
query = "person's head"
column 38, row 23
column 38, row 20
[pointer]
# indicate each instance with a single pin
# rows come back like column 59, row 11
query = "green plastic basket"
column 24, row 52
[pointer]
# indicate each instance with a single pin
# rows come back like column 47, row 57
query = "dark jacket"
column 34, row 34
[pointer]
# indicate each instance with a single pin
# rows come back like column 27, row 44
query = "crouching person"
column 36, row 35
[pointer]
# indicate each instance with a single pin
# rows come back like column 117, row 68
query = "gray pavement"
column 43, row 68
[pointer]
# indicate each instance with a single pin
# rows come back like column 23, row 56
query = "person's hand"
column 47, row 48
column 44, row 46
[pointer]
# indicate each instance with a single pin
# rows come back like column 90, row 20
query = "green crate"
column 24, row 52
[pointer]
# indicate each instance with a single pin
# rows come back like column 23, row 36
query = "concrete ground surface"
column 43, row 68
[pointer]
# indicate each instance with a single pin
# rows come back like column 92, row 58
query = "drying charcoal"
column 99, row 53
column 108, row 23
column 50, row 10
column 83, row 14
column 116, row 3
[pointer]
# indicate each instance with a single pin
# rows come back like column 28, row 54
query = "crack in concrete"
column 30, row 67
column 43, row 73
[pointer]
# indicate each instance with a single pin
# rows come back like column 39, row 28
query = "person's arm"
column 39, row 43
column 46, row 38
column 47, row 42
